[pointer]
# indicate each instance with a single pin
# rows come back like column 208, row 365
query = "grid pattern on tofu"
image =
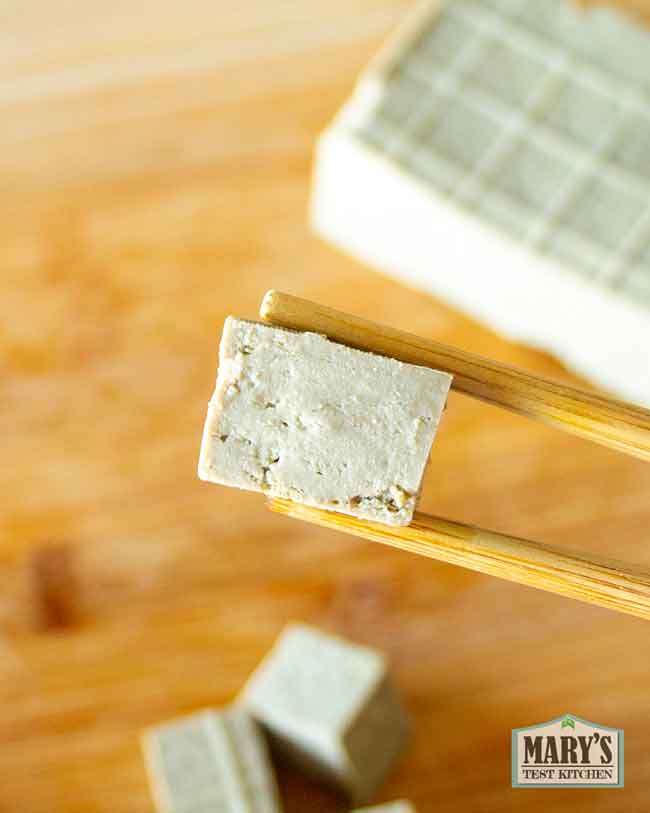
column 330, row 708
column 297, row 416
column 535, row 117
column 210, row 762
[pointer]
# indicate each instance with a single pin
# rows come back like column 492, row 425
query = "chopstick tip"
column 269, row 301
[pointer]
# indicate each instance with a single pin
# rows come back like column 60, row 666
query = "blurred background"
column 154, row 177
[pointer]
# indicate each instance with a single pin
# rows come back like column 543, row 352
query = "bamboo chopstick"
column 604, row 420
column 595, row 580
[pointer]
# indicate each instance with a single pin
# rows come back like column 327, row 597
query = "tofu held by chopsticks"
column 297, row 416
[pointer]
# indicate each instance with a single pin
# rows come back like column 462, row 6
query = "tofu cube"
column 297, row 416
column 210, row 762
column 330, row 708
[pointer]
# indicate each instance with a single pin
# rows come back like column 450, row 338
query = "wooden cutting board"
column 154, row 171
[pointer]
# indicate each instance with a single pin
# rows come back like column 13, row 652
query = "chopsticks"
column 604, row 420
column 593, row 579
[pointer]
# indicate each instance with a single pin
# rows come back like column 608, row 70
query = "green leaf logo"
column 568, row 723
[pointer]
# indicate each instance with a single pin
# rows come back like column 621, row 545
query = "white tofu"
column 401, row 806
column 542, row 229
column 329, row 707
column 297, row 416
column 210, row 762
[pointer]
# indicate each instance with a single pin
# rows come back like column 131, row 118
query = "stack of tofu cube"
column 321, row 703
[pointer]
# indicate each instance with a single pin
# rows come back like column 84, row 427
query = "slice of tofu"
column 297, row 416
column 330, row 708
column 209, row 762
column 401, row 806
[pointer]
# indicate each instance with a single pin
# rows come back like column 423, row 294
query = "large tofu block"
column 542, row 229
column 329, row 707
column 297, row 416
column 210, row 762
column 401, row 806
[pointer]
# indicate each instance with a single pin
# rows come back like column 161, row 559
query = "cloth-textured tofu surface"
column 510, row 141
column 297, row 416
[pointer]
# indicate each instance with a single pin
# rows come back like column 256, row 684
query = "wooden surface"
column 154, row 171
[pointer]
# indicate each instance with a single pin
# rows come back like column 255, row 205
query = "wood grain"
column 154, row 170
column 588, row 414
